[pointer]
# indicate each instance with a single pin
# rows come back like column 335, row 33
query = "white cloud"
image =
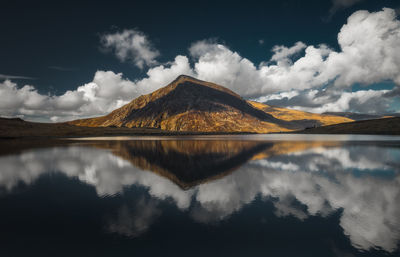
column 216, row 63
column 160, row 76
column 370, row 44
column 106, row 92
column 282, row 52
column 278, row 96
column 359, row 101
column 319, row 80
column 370, row 53
column 21, row 99
column 333, row 101
column 131, row 45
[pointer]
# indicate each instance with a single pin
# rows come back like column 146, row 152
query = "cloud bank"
column 306, row 77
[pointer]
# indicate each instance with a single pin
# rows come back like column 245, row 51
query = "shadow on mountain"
column 189, row 96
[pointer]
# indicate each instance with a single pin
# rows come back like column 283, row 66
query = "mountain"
column 189, row 104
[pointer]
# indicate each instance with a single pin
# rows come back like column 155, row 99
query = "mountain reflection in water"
column 211, row 181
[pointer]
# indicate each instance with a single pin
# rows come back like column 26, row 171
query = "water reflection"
column 212, row 180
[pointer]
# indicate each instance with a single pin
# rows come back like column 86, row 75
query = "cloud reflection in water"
column 361, row 181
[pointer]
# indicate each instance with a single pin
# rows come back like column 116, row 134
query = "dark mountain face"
column 189, row 104
column 189, row 96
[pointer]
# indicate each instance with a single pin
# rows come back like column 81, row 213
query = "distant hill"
column 189, row 104
column 384, row 126
column 359, row 116
column 18, row 128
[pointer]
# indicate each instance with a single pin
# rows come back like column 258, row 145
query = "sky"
column 72, row 59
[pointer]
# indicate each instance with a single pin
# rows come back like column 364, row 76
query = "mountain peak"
column 185, row 77
column 186, row 80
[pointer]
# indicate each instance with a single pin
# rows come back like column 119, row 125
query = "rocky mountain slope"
column 189, row 104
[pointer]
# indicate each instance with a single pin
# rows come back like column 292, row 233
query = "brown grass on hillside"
column 291, row 115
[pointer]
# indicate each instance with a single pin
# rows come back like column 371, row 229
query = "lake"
column 254, row 195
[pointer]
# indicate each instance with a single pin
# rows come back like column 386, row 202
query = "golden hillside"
column 292, row 115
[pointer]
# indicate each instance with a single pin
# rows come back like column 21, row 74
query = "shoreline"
column 19, row 129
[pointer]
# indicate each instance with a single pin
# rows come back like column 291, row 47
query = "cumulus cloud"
column 106, row 92
column 370, row 47
column 131, row 45
column 334, row 101
column 283, row 52
column 102, row 95
column 369, row 53
column 315, row 78
column 23, row 100
column 370, row 44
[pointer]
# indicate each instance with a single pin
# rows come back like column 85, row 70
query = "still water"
column 277, row 195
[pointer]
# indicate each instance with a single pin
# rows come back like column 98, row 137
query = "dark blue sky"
column 58, row 42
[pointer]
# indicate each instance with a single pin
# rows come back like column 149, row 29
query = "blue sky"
column 116, row 51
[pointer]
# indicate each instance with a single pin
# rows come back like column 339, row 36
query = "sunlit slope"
column 191, row 105
column 293, row 115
